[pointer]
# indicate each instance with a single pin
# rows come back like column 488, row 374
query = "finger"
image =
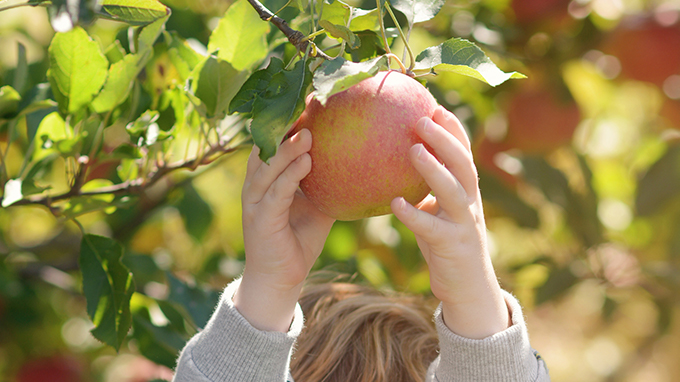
column 452, row 124
column 429, row 205
column 267, row 174
column 280, row 195
column 452, row 152
column 419, row 222
column 451, row 195
column 254, row 163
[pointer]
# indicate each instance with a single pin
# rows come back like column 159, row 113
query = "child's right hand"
column 283, row 234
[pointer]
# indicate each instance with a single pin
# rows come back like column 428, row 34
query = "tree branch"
column 297, row 38
column 133, row 186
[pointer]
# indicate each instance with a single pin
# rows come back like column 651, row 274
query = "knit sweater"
column 229, row 349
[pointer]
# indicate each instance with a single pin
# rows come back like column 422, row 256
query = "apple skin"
column 360, row 144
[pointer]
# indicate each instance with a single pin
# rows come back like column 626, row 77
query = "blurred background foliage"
column 580, row 174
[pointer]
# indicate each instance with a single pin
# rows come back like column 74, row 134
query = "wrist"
column 482, row 316
column 266, row 305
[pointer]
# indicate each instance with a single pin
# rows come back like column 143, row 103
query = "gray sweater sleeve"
column 504, row 356
column 229, row 349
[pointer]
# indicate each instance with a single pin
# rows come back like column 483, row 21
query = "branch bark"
column 134, row 186
column 297, row 38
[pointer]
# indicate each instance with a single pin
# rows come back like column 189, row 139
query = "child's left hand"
column 451, row 232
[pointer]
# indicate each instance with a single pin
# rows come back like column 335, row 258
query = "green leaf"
column 463, row 57
column 128, row 169
column 364, row 19
column 195, row 212
column 77, row 71
column 417, row 11
column 215, row 84
column 51, row 129
column 80, row 205
column 118, row 84
column 108, row 287
column 255, row 85
column 341, row 32
column 279, row 106
column 37, row 172
column 147, row 38
column 371, row 46
column 183, row 56
column 9, row 101
column 34, row 119
column 196, row 302
column 240, row 36
column 134, row 12
column 160, row 344
column 660, row 184
column 144, row 131
column 21, row 72
column 339, row 74
column 126, row 151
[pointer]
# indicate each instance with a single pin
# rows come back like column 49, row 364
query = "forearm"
column 477, row 309
column 266, row 307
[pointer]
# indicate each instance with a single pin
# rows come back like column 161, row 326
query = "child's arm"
column 283, row 235
column 251, row 334
column 451, row 233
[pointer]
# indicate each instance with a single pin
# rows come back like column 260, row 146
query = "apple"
column 360, row 144
column 539, row 121
column 57, row 368
column 528, row 11
column 647, row 51
column 670, row 111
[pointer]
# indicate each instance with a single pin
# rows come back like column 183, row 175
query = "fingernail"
column 402, row 204
column 427, row 126
column 419, row 152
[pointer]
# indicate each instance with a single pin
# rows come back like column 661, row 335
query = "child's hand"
column 283, row 234
column 451, row 232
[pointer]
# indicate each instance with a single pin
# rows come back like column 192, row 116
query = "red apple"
column 528, row 11
column 539, row 121
column 647, row 52
column 58, row 368
column 360, row 144
column 671, row 112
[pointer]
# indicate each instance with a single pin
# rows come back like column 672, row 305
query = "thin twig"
column 297, row 38
column 133, row 186
column 16, row 6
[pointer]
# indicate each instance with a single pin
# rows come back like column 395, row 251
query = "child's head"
column 355, row 333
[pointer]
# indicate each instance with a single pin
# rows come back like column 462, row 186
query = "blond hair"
column 355, row 333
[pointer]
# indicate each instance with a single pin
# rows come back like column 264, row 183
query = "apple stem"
column 401, row 64
column 412, row 61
